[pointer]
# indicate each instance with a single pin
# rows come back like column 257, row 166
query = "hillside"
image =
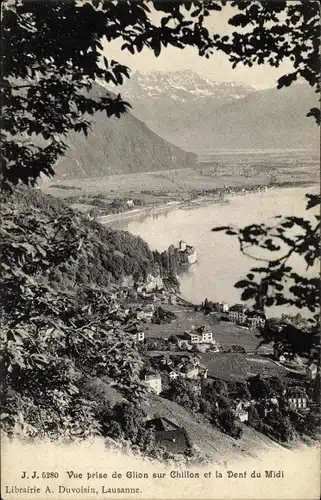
column 118, row 145
column 198, row 113
column 210, row 440
column 111, row 255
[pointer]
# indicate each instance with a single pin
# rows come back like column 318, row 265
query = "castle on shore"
column 187, row 254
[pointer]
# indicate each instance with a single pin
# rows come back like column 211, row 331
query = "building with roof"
column 172, row 375
column 255, row 319
column 222, row 306
column 139, row 336
column 237, row 313
column 189, row 370
column 267, row 406
column 297, row 399
column 187, row 253
column 242, row 411
column 201, row 335
column 154, row 381
column 312, row 371
column 169, row 435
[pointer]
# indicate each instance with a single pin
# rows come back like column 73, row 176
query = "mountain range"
column 175, row 115
column 198, row 113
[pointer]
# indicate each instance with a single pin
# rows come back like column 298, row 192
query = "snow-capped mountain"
column 171, row 101
column 197, row 113
column 181, row 86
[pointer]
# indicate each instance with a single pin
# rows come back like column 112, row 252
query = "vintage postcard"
column 159, row 239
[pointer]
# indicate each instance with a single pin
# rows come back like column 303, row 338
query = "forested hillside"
column 55, row 316
column 118, row 145
column 109, row 255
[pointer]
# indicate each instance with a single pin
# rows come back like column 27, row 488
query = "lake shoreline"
column 190, row 204
column 219, row 262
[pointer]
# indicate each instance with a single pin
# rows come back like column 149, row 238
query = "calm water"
column 220, row 262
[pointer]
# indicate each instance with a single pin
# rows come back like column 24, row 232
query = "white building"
column 146, row 313
column 312, row 371
column 223, row 306
column 256, row 319
column 298, row 402
column 237, row 313
column 140, row 336
column 189, row 371
column 199, row 338
column 241, row 411
column 154, row 381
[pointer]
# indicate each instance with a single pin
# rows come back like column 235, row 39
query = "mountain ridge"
column 222, row 115
column 118, row 145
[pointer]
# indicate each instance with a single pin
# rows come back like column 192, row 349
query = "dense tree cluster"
column 302, row 338
column 162, row 316
column 52, row 333
column 111, row 254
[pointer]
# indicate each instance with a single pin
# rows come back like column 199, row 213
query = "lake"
column 220, row 263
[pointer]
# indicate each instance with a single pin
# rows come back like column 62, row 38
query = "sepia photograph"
column 160, row 249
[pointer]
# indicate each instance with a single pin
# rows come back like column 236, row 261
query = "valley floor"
column 155, row 192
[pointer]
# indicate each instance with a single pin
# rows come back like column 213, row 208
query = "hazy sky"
column 217, row 67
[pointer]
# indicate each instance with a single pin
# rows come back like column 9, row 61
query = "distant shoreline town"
column 201, row 198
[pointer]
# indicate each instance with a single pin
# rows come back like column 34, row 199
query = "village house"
column 237, row 313
column 145, row 313
column 188, row 370
column 192, row 368
column 154, row 381
column 222, row 306
column 170, row 435
column 297, row 399
column 199, row 335
column 130, row 203
column 312, row 371
column 278, row 352
column 241, row 411
column 255, row 319
column 267, row 406
column 139, row 336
